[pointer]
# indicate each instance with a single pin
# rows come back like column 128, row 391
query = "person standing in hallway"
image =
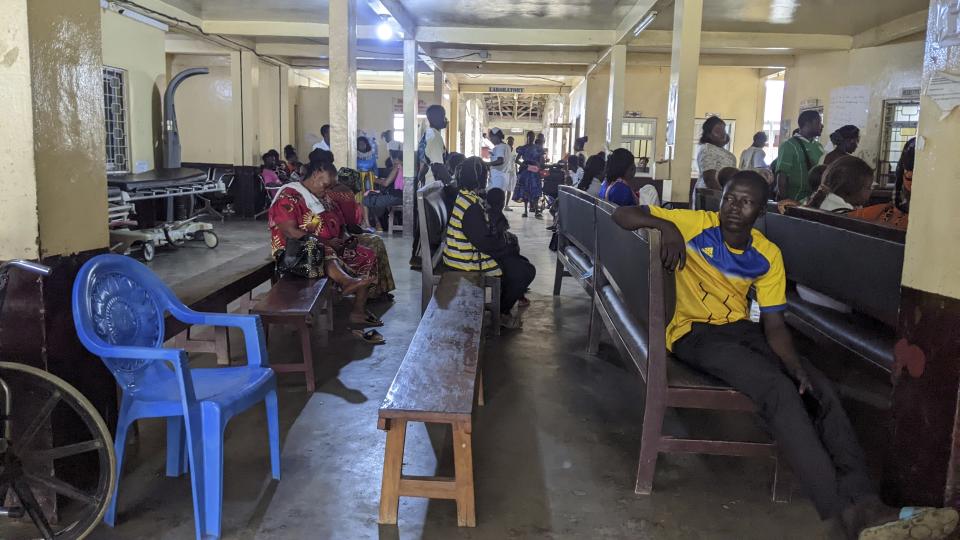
column 797, row 156
column 845, row 142
column 498, row 161
column 393, row 147
column 430, row 167
column 712, row 156
column 511, row 174
column 324, row 143
column 529, row 190
column 754, row 157
column 718, row 257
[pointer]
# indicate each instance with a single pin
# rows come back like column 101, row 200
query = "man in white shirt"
column 499, row 164
column 324, row 143
column 754, row 157
column 431, row 151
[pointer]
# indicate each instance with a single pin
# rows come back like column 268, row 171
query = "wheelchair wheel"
column 32, row 399
column 149, row 250
column 211, row 239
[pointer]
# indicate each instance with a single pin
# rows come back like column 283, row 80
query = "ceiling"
column 520, row 107
column 846, row 17
column 314, row 11
column 547, row 14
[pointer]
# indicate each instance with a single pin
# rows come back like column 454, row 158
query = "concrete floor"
column 555, row 447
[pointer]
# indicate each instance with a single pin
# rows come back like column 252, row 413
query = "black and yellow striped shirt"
column 459, row 253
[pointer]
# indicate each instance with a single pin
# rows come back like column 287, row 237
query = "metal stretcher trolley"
column 124, row 190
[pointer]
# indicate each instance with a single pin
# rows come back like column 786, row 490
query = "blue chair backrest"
column 118, row 302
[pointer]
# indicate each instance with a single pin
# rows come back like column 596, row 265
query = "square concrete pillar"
column 343, row 82
column 682, row 96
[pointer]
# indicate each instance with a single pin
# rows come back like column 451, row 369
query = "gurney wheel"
column 149, row 250
column 211, row 239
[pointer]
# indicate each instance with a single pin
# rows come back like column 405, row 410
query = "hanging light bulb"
column 384, row 30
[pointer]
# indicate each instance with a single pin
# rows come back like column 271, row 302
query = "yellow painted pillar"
column 287, row 136
column 615, row 94
column 245, row 79
column 924, row 464
column 410, row 140
column 453, row 130
column 343, row 82
column 682, row 96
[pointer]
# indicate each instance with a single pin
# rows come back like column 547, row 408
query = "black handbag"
column 301, row 257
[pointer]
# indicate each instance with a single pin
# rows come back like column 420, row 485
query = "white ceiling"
column 550, row 14
column 847, row 17
column 268, row 10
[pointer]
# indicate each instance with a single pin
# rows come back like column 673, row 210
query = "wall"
column 19, row 223
column 734, row 93
column 205, row 110
column 270, row 119
column 886, row 70
column 374, row 114
column 139, row 49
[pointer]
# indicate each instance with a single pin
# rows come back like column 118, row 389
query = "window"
column 639, row 136
column 899, row 126
column 698, row 130
column 115, row 120
column 398, row 125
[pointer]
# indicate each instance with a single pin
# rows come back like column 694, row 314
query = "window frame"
column 124, row 121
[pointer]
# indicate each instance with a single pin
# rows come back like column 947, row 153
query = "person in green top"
column 797, row 156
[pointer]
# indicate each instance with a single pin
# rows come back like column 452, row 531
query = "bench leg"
column 782, row 489
column 596, row 325
column 221, row 338
column 480, row 388
column 558, row 279
column 307, row 357
column 495, row 305
column 463, row 465
column 650, row 434
column 392, row 469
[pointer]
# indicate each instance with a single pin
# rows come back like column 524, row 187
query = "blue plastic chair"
column 118, row 308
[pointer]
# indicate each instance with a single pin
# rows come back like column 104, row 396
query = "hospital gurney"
column 125, row 190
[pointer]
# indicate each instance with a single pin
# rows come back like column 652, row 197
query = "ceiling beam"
column 363, row 64
column 513, row 69
column 625, row 29
column 727, row 60
column 514, row 36
column 514, row 57
column 268, row 28
column 898, row 28
column 180, row 44
column 749, row 40
column 300, row 50
column 399, row 14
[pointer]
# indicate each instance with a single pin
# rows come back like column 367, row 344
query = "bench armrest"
column 250, row 325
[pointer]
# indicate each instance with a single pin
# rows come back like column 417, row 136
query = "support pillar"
column 410, row 137
column 53, row 197
column 618, row 75
column 923, row 465
column 343, row 82
column 245, row 77
column 682, row 97
column 287, row 136
column 437, row 87
column 453, row 113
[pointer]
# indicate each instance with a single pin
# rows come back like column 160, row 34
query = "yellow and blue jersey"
column 713, row 286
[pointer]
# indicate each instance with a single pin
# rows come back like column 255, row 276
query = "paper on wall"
column 944, row 90
column 848, row 105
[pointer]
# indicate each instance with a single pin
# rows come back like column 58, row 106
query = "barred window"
column 115, row 120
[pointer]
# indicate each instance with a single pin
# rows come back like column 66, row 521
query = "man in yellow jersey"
column 718, row 258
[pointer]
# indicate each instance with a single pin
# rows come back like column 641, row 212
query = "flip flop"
column 915, row 523
column 372, row 320
column 370, row 336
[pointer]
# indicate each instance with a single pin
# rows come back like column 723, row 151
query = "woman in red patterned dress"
column 305, row 212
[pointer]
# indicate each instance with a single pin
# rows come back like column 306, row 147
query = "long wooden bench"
column 852, row 261
column 439, row 381
column 212, row 291
column 299, row 302
column 633, row 299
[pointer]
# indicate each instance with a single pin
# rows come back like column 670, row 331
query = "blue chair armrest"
column 250, row 325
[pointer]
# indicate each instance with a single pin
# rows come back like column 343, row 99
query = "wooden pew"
column 852, row 261
column 708, row 199
column 438, row 382
column 576, row 231
column 298, row 302
column 633, row 299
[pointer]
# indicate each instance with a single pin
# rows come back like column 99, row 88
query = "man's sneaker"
column 511, row 321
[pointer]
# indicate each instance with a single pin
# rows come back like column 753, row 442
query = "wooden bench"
column 576, row 237
column 438, row 382
column 708, row 199
column 852, row 261
column 633, row 298
column 298, row 302
column 212, row 291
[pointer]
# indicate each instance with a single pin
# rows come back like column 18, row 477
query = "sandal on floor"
column 370, row 336
column 371, row 320
column 926, row 523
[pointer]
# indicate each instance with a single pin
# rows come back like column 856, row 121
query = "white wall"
column 205, row 110
column 886, row 70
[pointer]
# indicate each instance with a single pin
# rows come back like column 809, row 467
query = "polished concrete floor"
column 555, row 447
